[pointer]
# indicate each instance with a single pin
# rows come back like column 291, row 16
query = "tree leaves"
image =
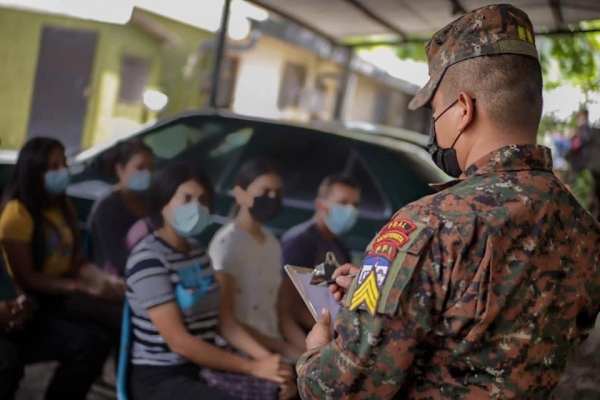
column 574, row 56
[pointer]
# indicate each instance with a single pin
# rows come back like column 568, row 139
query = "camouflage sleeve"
column 389, row 308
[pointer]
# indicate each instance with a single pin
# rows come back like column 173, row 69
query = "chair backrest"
column 124, row 350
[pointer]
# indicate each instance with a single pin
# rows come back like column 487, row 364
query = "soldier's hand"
column 343, row 280
column 320, row 335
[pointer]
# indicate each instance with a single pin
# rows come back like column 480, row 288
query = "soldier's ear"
column 467, row 107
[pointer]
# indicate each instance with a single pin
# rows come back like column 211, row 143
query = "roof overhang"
column 402, row 21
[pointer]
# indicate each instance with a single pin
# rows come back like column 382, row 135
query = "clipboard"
column 315, row 297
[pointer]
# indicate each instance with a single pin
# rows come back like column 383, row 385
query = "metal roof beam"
column 219, row 53
column 295, row 20
column 367, row 11
column 555, row 7
column 425, row 40
column 568, row 32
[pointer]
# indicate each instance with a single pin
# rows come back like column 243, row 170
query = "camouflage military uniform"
column 479, row 291
column 492, row 284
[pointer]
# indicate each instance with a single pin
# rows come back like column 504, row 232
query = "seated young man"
column 306, row 245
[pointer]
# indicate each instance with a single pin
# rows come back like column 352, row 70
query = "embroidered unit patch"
column 394, row 235
column 370, row 280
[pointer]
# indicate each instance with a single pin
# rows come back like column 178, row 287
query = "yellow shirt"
column 16, row 224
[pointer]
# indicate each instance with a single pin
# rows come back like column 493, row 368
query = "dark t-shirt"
column 110, row 221
column 303, row 246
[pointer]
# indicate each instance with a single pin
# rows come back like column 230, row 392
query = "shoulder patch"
column 393, row 236
column 370, row 281
column 382, row 263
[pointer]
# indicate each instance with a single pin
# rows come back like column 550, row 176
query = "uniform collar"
column 527, row 157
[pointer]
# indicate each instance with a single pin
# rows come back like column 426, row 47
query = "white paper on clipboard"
column 315, row 297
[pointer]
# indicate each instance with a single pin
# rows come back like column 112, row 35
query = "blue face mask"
column 56, row 181
column 139, row 181
column 190, row 219
column 341, row 218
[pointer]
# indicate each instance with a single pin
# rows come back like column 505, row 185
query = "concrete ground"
column 37, row 377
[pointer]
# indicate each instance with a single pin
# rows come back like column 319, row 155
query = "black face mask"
column 265, row 207
column 445, row 159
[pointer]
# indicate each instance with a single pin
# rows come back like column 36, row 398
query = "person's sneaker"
column 104, row 389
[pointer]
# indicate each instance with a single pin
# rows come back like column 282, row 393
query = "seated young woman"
column 176, row 308
column 42, row 246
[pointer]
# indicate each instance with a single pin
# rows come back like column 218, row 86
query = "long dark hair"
column 250, row 171
column 122, row 153
column 26, row 185
column 166, row 183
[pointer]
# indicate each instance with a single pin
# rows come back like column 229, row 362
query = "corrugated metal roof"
column 340, row 20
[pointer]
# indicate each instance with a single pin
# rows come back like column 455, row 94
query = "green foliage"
column 407, row 51
column 412, row 51
column 582, row 187
column 575, row 56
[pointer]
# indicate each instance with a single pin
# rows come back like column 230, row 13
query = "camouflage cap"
column 489, row 30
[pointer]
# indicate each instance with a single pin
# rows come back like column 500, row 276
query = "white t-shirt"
column 256, row 268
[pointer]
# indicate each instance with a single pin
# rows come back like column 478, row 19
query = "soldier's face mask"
column 445, row 158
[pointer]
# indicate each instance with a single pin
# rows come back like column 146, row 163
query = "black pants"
column 170, row 383
column 106, row 315
column 80, row 347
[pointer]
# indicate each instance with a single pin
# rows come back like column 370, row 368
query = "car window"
column 372, row 202
column 171, row 140
column 422, row 171
column 303, row 158
column 208, row 144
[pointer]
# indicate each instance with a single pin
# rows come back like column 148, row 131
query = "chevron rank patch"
column 370, row 281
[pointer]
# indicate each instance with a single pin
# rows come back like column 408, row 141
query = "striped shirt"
column 157, row 274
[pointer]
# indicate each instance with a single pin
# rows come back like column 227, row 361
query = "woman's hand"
column 103, row 286
column 272, row 368
column 15, row 313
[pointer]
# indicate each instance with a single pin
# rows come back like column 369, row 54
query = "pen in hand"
column 332, row 281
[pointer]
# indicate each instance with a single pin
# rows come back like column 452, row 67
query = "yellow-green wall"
column 106, row 110
column 183, row 93
column 20, row 34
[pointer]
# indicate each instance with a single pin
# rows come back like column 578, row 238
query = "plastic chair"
column 123, row 367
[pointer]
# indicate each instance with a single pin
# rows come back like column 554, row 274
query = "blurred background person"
column 42, row 244
column 306, row 245
column 247, row 257
column 112, row 216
